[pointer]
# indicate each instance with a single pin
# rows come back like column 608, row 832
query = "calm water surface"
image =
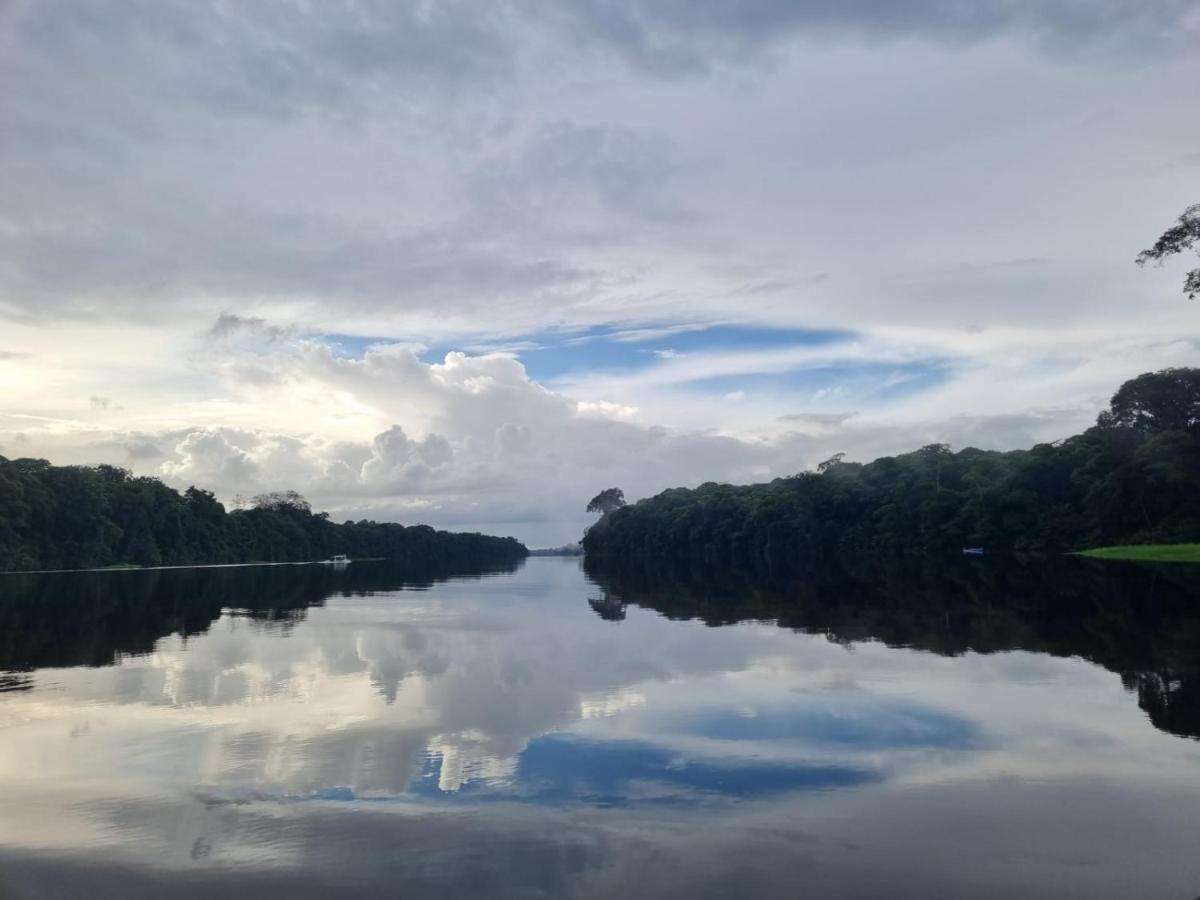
column 299, row 732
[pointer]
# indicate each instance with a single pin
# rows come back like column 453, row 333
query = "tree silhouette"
column 606, row 501
column 1176, row 239
column 281, row 500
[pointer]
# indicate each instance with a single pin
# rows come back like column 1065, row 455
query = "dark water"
column 971, row 730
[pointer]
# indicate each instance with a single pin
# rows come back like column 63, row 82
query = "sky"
column 468, row 263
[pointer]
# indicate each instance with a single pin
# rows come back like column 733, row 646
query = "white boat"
column 338, row 559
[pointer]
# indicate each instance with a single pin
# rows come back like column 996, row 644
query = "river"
column 983, row 730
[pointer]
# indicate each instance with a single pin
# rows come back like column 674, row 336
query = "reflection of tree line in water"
column 1142, row 622
column 92, row 618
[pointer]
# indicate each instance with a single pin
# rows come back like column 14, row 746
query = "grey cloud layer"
column 687, row 36
column 390, row 156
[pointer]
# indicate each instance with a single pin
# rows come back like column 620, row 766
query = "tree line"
column 1134, row 477
column 68, row 517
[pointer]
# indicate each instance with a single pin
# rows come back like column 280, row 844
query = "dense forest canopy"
column 65, row 517
column 1132, row 478
column 1183, row 235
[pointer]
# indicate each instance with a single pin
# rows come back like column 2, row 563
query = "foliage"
column 1133, row 478
column 67, row 517
column 281, row 500
column 1157, row 401
column 1182, row 236
column 608, row 500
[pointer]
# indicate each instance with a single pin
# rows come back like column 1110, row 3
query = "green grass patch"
column 1182, row 553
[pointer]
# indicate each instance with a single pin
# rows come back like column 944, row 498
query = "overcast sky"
column 470, row 262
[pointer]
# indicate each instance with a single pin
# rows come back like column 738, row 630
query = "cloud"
column 228, row 325
column 213, row 458
column 680, row 38
column 425, row 158
column 474, row 442
column 563, row 166
column 399, row 465
column 139, row 451
column 829, row 420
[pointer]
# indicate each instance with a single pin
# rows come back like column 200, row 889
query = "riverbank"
column 1173, row 553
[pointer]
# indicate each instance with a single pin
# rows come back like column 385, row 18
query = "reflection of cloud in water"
column 462, row 759
column 506, row 713
column 860, row 722
column 610, row 704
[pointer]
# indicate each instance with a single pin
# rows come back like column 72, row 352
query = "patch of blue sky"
column 554, row 354
column 836, row 384
column 549, row 356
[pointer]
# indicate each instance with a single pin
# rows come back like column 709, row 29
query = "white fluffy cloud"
column 474, row 442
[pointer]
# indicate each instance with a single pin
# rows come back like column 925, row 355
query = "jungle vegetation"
column 68, row 517
column 1133, row 478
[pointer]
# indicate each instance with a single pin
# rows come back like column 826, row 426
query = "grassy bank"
column 1184, row 553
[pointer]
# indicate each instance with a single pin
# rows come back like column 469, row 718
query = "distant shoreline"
column 133, row 568
column 1165, row 553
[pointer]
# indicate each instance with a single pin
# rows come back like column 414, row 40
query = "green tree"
column 606, row 501
column 1168, row 400
column 832, row 462
column 282, row 500
column 1182, row 236
column 79, row 516
column 1131, row 479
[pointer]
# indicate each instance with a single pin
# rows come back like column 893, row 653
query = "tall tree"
column 1179, row 237
column 606, row 501
column 1157, row 401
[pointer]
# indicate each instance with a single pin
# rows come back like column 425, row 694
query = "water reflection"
column 92, row 618
column 291, row 731
column 1140, row 621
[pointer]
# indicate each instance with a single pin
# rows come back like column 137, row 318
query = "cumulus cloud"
column 474, row 442
column 211, row 457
